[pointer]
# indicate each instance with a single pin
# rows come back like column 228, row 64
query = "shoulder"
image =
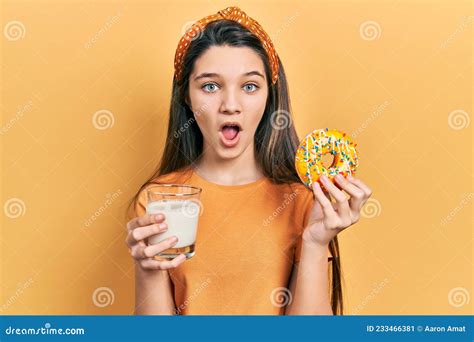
column 296, row 196
column 298, row 200
column 301, row 192
column 175, row 177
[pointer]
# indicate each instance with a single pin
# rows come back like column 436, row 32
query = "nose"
column 230, row 103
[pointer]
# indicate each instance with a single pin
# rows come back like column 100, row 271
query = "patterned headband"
column 230, row 13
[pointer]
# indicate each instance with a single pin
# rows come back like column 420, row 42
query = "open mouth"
column 230, row 133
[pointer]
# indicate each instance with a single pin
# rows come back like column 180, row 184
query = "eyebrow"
column 213, row 74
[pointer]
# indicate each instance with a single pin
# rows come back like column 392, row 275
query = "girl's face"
column 227, row 92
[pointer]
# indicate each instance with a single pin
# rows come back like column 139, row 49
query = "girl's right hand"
column 142, row 227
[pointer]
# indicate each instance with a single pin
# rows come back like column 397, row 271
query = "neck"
column 236, row 171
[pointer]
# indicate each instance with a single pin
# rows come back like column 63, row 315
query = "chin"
column 225, row 153
column 233, row 152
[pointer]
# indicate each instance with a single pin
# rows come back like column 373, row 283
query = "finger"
column 342, row 204
column 167, row 264
column 153, row 250
column 325, row 192
column 142, row 233
column 357, row 195
column 323, row 200
column 361, row 185
column 145, row 220
column 153, row 264
column 317, row 209
column 137, row 250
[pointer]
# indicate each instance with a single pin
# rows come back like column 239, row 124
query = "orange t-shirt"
column 248, row 239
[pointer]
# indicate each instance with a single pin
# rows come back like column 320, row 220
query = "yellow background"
column 402, row 87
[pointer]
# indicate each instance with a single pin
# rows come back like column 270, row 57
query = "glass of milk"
column 181, row 206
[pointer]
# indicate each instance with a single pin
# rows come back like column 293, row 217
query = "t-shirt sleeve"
column 307, row 206
column 140, row 205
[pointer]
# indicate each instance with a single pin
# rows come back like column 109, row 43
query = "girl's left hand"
column 327, row 219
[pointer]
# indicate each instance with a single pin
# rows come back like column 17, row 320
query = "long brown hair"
column 275, row 140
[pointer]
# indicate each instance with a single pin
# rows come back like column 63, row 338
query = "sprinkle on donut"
column 314, row 146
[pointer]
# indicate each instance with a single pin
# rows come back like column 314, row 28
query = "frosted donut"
column 315, row 145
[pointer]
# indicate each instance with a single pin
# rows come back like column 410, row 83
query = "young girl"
column 263, row 237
